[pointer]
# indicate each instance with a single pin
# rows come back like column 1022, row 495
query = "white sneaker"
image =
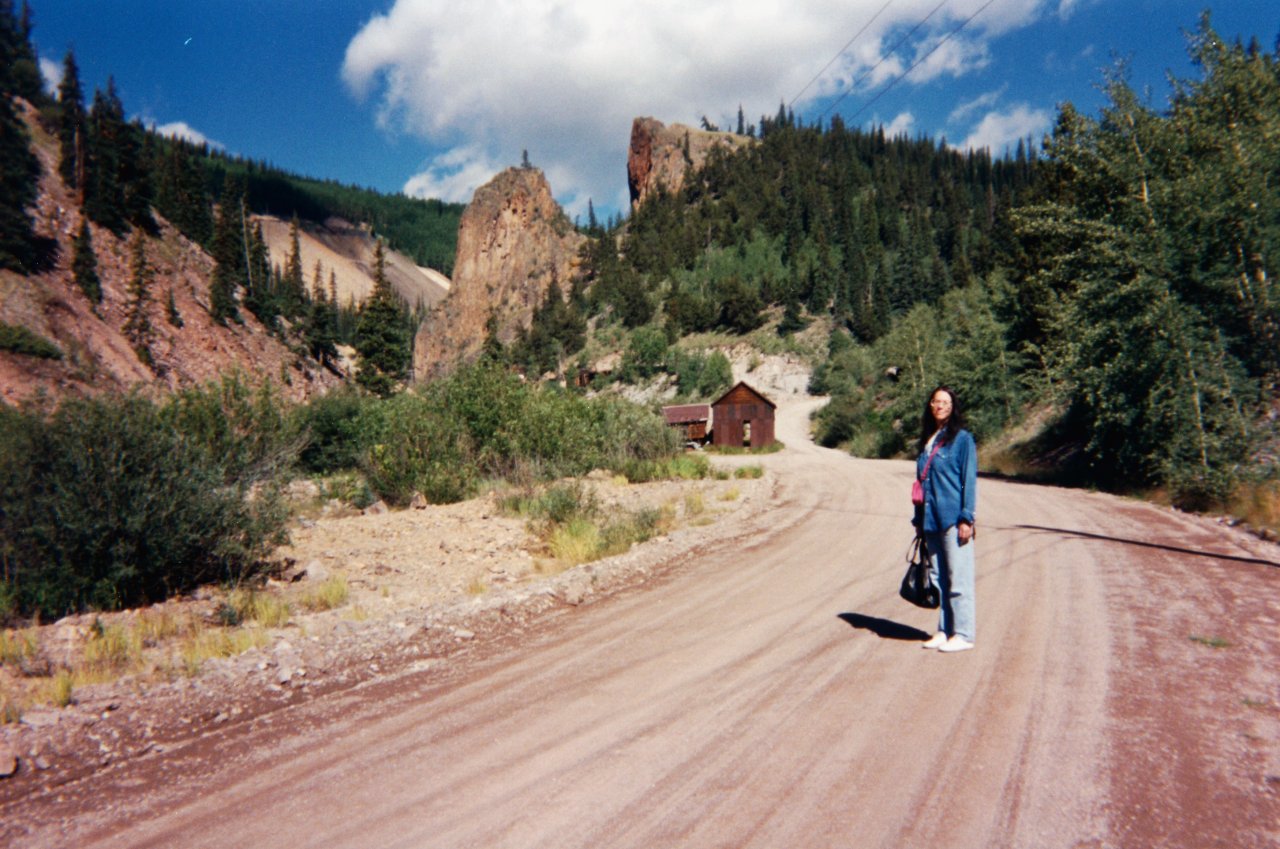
column 935, row 641
column 956, row 643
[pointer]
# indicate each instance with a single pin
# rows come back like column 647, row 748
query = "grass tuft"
column 1211, row 642
column 679, row 467
column 111, row 651
column 556, row 504
column 328, row 595
column 18, row 647
column 10, row 708
column 267, row 610
column 575, row 542
column 217, row 642
column 1258, row 503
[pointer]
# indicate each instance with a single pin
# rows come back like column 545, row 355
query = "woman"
column 948, row 471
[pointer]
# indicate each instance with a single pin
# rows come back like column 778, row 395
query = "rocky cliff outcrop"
column 660, row 155
column 513, row 240
column 187, row 348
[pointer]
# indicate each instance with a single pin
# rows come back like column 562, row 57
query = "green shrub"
column 487, row 402
column 106, row 504
column 700, row 375
column 543, row 431
column 20, row 340
column 558, row 503
column 333, row 424
column 350, row 487
column 626, row 431
column 619, row 535
column 245, row 429
column 482, row 422
column 645, row 355
column 678, row 467
column 414, row 447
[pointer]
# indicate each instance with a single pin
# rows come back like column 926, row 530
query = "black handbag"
column 916, row 587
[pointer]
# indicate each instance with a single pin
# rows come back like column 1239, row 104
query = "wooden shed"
column 690, row 419
column 742, row 416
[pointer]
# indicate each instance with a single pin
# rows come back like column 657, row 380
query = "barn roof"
column 740, row 388
column 686, row 413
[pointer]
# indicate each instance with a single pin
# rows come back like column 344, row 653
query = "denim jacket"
column 951, row 490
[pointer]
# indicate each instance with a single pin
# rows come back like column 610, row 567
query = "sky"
column 433, row 98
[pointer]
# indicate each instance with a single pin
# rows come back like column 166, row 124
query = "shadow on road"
column 886, row 629
column 1141, row 544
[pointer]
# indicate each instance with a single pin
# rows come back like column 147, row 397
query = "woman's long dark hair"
column 954, row 424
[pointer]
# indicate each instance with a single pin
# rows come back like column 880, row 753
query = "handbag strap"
column 937, row 443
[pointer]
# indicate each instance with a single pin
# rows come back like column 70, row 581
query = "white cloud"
column 900, row 126
column 982, row 101
column 564, row 79
column 453, row 177
column 999, row 131
column 955, row 56
column 51, row 73
column 183, row 130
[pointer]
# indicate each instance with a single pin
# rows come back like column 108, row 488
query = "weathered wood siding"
column 739, row 407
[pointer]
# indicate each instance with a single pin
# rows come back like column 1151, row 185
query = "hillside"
column 347, row 250
column 85, row 349
column 96, row 356
column 425, row 231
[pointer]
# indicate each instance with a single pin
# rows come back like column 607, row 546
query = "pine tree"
column 382, row 340
column 21, row 56
column 293, row 289
column 228, row 257
column 320, row 329
column 180, row 193
column 104, row 200
column 137, row 326
column 19, row 168
column 792, row 319
column 84, row 264
column 260, row 294
column 333, row 287
column 137, row 154
column 171, row 309
column 72, row 126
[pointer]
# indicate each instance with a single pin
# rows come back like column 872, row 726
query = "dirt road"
column 1125, row 692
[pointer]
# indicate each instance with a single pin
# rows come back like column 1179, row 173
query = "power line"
column 914, row 64
column 840, row 53
column 853, row 85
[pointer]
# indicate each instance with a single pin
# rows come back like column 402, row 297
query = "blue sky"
column 434, row 97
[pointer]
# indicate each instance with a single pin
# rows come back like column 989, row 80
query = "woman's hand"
column 964, row 532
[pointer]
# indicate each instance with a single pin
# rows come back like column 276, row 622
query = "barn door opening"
column 746, row 434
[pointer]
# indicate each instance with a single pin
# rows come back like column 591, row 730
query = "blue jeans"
column 951, row 568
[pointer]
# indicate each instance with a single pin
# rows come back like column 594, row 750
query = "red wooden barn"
column 690, row 419
column 742, row 416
